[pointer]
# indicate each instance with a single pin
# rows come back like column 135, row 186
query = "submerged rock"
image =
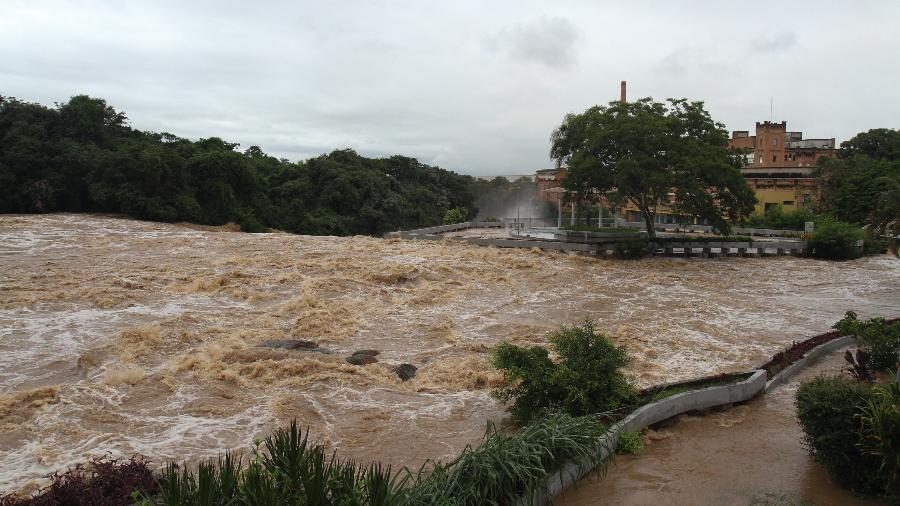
column 363, row 357
column 294, row 344
column 405, row 371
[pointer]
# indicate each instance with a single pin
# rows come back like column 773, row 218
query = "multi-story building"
column 780, row 164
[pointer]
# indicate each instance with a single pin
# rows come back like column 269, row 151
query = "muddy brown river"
column 129, row 337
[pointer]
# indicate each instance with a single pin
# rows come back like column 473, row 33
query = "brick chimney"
column 623, row 93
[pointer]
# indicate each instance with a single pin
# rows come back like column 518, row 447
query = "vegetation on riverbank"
column 852, row 426
column 587, row 376
column 288, row 469
column 83, row 156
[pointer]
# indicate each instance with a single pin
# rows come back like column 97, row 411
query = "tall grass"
column 286, row 468
column 507, row 467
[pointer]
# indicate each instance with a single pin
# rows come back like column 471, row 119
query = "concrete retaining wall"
column 681, row 403
column 649, row 414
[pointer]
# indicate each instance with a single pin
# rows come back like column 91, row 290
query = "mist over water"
column 134, row 337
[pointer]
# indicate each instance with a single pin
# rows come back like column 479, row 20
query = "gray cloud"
column 548, row 41
column 774, row 42
column 471, row 86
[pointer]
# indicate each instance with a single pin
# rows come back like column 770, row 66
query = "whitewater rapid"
column 125, row 336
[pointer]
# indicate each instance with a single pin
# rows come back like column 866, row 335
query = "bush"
column 776, row 217
column 872, row 245
column 835, row 240
column 586, row 379
column 104, row 480
column 881, row 435
column 879, row 339
column 456, row 215
column 829, row 411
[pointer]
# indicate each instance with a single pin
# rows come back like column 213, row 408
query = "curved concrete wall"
column 681, row 403
column 649, row 414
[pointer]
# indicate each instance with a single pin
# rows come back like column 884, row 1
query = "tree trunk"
column 648, row 222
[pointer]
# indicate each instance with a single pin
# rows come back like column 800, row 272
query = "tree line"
column 83, row 156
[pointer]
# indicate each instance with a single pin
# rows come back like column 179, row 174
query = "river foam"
column 125, row 336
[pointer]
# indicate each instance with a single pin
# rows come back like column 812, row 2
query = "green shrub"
column 873, row 245
column 776, row 217
column 835, row 240
column 829, row 411
column 630, row 443
column 879, row 339
column 456, row 215
column 881, row 429
column 586, row 379
column 633, row 249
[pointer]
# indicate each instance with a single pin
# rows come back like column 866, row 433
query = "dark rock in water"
column 289, row 344
column 370, row 353
column 405, row 371
column 294, row 344
column 361, row 359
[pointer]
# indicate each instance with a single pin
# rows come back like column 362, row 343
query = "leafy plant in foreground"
column 880, row 417
column 828, row 410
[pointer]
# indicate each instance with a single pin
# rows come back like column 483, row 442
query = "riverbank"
column 750, row 454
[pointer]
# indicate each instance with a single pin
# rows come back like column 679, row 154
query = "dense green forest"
column 83, row 156
column 862, row 185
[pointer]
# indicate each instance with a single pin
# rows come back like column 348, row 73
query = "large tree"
column 654, row 155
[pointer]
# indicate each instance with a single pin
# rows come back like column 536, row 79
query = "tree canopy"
column 654, row 154
column 862, row 185
column 84, row 156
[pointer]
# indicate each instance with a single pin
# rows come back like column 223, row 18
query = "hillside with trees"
column 83, row 156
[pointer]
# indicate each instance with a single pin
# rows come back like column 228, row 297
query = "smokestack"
column 623, row 93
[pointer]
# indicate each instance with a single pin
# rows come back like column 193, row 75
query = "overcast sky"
column 476, row 87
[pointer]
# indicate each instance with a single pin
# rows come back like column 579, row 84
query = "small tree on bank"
column 655, row 154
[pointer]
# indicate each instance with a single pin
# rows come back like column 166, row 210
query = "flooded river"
column 134, row 337
column 748, row 455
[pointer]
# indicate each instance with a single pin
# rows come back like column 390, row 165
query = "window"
column 774, row 142
column 774, row 158
column 787, row 203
